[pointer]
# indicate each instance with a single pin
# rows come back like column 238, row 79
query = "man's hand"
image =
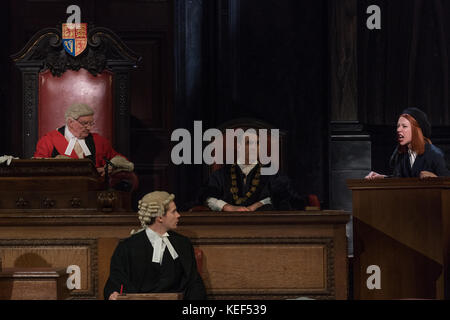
column 374, row 175
column 427, row 174
column 255, row 206
column 114, row 295
column 101, row 170
column 229, row 207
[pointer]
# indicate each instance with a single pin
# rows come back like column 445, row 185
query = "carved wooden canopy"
column 104, row 51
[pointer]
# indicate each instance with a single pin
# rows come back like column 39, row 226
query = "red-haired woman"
column 415, row 155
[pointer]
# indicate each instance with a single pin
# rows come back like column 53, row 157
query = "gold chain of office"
column 234, row 188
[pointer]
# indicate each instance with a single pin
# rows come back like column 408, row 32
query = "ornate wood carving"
column 22, row 203
column 104, row 49
column 48, row 203
column 29, row 106
column 106, row 200
column 122, row 112
column 75, row 202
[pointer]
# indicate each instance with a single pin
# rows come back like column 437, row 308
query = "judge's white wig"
column 153, row 205
column 77, row 110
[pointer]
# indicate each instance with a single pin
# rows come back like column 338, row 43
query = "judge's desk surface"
column 401, row 238
column 256, row 255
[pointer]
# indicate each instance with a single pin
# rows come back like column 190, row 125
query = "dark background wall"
column 406, row 63
column 259, row 59
column 308, row 67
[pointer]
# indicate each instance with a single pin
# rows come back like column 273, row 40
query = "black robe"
column 132, row 267
column 431, row 160
column 277, row 187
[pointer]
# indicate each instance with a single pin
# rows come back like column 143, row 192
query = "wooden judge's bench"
column 401, row 226
column 55, row 214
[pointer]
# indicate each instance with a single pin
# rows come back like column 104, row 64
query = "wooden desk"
column 57, row 185
column 267, row 255
column 402, row 226
column 33, row 284
column 151, row 296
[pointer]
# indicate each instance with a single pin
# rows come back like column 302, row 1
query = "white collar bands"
column 246, row 168
column 72, row 140
column 159, row 244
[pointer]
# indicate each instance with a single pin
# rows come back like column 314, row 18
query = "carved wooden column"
column 189, row 85
column 350, row 147
column 29, row 107
column 122, row 110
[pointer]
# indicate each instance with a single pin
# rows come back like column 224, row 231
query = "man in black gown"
column 242, row 187
column 155, row 259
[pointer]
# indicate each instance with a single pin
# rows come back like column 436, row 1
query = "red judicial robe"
column 54, row 143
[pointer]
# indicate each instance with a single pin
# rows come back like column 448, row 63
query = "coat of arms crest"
column 74, row 37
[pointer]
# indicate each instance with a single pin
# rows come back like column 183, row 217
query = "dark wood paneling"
column 343, row 60
column 311, row 243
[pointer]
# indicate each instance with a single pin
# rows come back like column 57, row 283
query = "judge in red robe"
column 75, row 140
column 55, row 143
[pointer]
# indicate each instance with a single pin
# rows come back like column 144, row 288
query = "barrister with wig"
column 155, row 259
column 415, row 155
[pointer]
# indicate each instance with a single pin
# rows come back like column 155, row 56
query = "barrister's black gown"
column 277, row 187
column 132, row 267
column 431, row 160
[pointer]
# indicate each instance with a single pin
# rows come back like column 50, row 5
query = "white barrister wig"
column 122, row 164
column 77, row 110
column 153, row 205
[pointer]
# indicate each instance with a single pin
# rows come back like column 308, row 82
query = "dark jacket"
column 132, row 267
column 431, row 160
column 278, row 187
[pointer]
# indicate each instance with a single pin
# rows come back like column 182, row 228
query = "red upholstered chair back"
column 56, row 94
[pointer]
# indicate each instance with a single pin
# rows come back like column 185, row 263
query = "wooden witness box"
column 33, row 284
column 402, row 226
